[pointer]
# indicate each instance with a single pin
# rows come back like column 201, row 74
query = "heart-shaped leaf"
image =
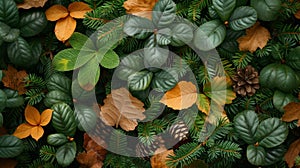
column 110, row 60
column 181, row 34
column 163, row 13
column 138, row 27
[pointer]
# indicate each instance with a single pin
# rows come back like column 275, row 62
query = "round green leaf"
column 271, row 132
column 129, row 65
column 3, row 99
column 13, row 98
column 163, row 13
column 279, row 76
column 181, row 34
column 163, row 36
column 281, row 99
column 8, row 34
column 32, row 23
column 63, row 119
column 256, row 155
column 110, row 60
column 9, row 13
column 59, row 82
column 10, row 146
column 242, row 18
column 164, row 81
column 209, row 35
column 224, row 8
column 140, row 80
column 89, row 74
column 293, row 58
column 267, row 10
column 57, row 139
column 155, row 55
column 86, row 117
column 246, row 123
column 56, row 96
column 274, row 155
column 65, row 154
column 80, row 41
column 138, row 27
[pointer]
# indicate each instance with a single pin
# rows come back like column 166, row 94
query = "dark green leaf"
column 81, row 42
column 140, row 80
column 8, row 34
column 155, row 55
column 89, row 74
column 274, row 155
column 13, row 98
column 66, row 154
column 242, row 18
column 3, row 99
column 56, row 96
column 32, row 23
column 36, row 47
column 59, row 82
column 1, row 120
column 138, row 27
column 224, row 8
column 9, row 13
column 267, row 10
column 163, row 13
column 293, row 58
column 1, row 74
column 164, row 81
column 10, row 146
column 182, row 34
column 256, row 155
column 110, row 60
column 57, row 139
column 281, row 99
column 86, row 117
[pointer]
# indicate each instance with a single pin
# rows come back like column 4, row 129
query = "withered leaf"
column 292, row 153
column 142, row 8
column 291, row 112
column 297, row 15
column 122, row 109
column 159, row 160
column 64, row 28
column 27, row 4
column 14, row 79
column 78, row 9
column 256, row 36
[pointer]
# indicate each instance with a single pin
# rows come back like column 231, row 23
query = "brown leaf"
column 291, row 112
column 14, row 79
column 182, row 96
column 297, row 15
column 56, row 12
column 8, row 163
column 159, row 160
column 256, row 37
column 27, row 4
column 122, row 109
column 142, row 8
column 292, row 153
column 78, row 9
column 64, row 28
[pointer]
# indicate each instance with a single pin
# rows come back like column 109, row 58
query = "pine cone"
column 246, row 81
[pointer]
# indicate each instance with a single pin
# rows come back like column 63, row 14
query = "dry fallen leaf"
column 256, row 37
column 182, row 96
column 297, row 15
column 159, row 160
column 14, row 79
column 27, row 4
column 35, row 122
column 122, row 109
column 141, row 8
column 291, row 112
column 292, row 153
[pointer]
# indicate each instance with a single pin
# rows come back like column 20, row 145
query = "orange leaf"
column 27, row 4
column 297, row 15
column 141, row 8
column 78, row 9
column 23, row 130
column 32, row 115
column 64, row 28
column 37, row 132
column 182, row 96
column 292, row 153
column 159, row 160
column 46, row 117
column 291, row 112
column 256, row 37
column 14, row 79
column 56, row 12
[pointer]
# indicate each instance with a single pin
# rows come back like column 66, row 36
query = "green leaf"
column 79, row 94
column 8, row 34
column 281, row 99
column 155, row 55
column 32, row 23
column 1, row 120
column 110, row 60
column 164, row 81
column 56, row 96
column 3, row 99
column 242, row 18
column 267, row 10
column 271, row 132
column 59, row 82
column 1, row 74
column 89, row 74
column 66, row 154
column 63, row 119
column 209, row 35
column 256, row 155
column 274, row 155
column 86, row 117
column 181, row 34
column 13, row 98
column 70, row 59
column 80, row 41
column 36, row 47
column 246, row 123
column 138, row 27
column 224, row 8
column 163, row 36
column 10, row 146
column 140, row 80
column 203, row 103
column 9, row 13
column 293, row 58
column 57, row 139
column 19, row 53
column 163, row 13
column 279, row 76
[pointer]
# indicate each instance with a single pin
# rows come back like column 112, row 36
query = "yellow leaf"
column 182, row 96
column 64, row 28
column 142, row 8
column 46, row 117
column 122, row 109
column 37, row 132
column 203, row 104
column 78, row 9
column 27, row 4
column 256, row 37
column 32, row 115
column 56, row 12
column 23, row 131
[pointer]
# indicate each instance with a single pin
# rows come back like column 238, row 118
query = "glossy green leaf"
column 279, row 76
column 163, row 13
column 32, row 23
column 59, row 82
column 181, row 34
column 63, row 119
column 56, row 96
column 246, row 123
column 140, row 80
column 163, row 36
column 281, row 99
column 130, row 65
column 164, row 81
column 9, row 13
column 65, row 154
column 3, row 99
column 57, row 139
column 256, row 155
column 8, row 34
column 155, row 55
column 138, row 27
column 80, row 41
column 89, row 74
column 271, row 132
column 36, row 47
column 86, row 117
column 13, row 98
column 209, row 35
column 274, row 155
column 224, row 8
column 267, row 10
column 293, row 58
column 110, row 60
column 242, row 18
column 10, row 146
